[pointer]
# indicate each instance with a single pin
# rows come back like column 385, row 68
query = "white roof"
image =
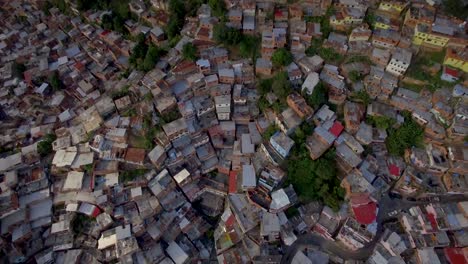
column 74, row 180
column 248, row 176
column 181, row 176
column 10, row 161
column 64, row 157
column 111, row 179
column 135, row 192
column 176, row 253
column 83, row 159
column 73, row 207
column 279, row 199
column 60, row 227
column 86, row 208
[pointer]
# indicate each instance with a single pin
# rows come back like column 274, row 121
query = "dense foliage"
column 361, row 96
column 55, row 81
column 44, row 147
column 269, row 132
column 456, row 8
column 381, row 122
column 189, row 52
column 227, row 35
column 318, row 97
column 218, row 8
column 409, row 134
column 144, row 57
column 328, row 54
column 314, row 179
column 248, row 47
column 280, row 86
column 281, row 57
column 18, row 70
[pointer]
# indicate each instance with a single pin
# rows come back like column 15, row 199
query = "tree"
column 218, row 8
column 355, row 76
column 269, row 132
column 18, row 70
column 314, row 179
column 362, row 96
column 106, row 22
column 456, row 8
column 281, row 85
column 248, row 47
column 189, row 52
column 227, row 35
column 318, row 96
column 151, row 58
column 55, row 81
column 281, row 57
column 381, row 122
column 44, row 147
column 409, row 134
column 370, row 19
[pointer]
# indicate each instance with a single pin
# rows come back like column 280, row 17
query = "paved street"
column 386, row 205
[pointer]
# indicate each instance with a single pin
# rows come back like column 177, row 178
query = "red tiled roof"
column 394, row 170
column 365, row 214
column 232, row 182
column 451, row 72
column 136, row 155
column 28, row 77
column 360, row 199
column 336, row 129
column 230, row 220
column 456, row 255
column 433, row 221
column 96, row 211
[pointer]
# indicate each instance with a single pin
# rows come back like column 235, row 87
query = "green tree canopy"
column 189, row 52
column 281, row 57
column 44, row 147
column 409, row 134
column 218, row 8
column 314, row 179
column 55, row 81
column 318, row 97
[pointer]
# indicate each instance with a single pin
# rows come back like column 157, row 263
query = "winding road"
column 386, row 205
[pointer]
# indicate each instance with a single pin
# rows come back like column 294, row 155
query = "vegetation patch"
column 408, row 135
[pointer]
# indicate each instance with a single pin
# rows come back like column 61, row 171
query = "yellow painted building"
column 423, row 36
column 392, row 7
column 457, row 59
column 381, row 25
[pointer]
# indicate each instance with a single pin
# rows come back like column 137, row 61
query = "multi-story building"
column 457, row 58
column 223, row 106
column 400, row 62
